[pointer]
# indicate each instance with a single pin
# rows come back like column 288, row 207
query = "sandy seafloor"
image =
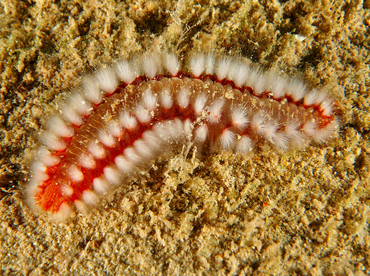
column 303, row 212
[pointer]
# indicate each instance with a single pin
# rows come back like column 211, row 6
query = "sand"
column 303, row 212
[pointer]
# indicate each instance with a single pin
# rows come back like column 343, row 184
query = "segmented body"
column 126, row 116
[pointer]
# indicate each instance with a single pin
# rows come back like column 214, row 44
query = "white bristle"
column 244, row 144
column 162, row 131
column 75, row 174
column 82, row 106
column 101, row 185
column 239, row 73
column 321, row 98
column 96, row 150
column 172, row 64
column 197, row 64
column 63, row 213
column 215, row 111
column 149, row 100
column 53, row 142
column 320, row 135
column 44, row 155
column 39, row 174
column 327, row 107
column 142, row 148
column 166, row 99
column 227, row 139
column 296, row 137
column 107, row 139
column 239, row 118
column 115, row 128
column 296, row 89
column 259, row 83
column 87, row 161
column 256, row 80
column 142, row 114
column 276, row 84
column 71, row 115
column 31, row 191
column 199, row 104
column 280, row 140
column 91, row 90
column 310, row 128
column 183, row 97
column 132, row 155
column 201, row 134
column 178, row 130
column 107, row 80
column 126, row 71
column 223, row 67
column 90, row 197
column 314, row 97
column 38, row 167
column 331, row 129
column 251, row 76
column 39, row 177
column 58, row 126
column 166, row 132
column 66, row 190
column 112, row 175
column 209, row 64
column 269, row 130
column 124, row 165
column 258, row 123
column 128, row 122
column 80, row 206
column 151, row 65
column 152, row 140
column 170, row 130
column 188, row 128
